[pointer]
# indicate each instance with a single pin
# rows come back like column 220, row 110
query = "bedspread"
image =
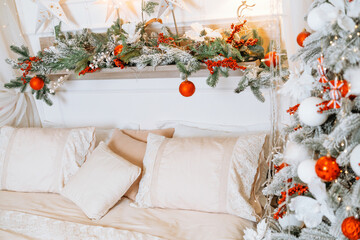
column 51, row 216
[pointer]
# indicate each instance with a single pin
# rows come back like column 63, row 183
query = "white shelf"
column 169, row 71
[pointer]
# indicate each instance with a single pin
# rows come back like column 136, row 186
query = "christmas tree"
column 315, row 185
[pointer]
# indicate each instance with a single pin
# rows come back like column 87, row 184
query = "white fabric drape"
column 293, row 23
column 16, row 109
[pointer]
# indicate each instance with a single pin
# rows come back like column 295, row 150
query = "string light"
column 348, row 208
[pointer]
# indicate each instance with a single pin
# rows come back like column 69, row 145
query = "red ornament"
column 271, row 59
column 322, row 70
column 37, row 83
column 118, row 49
column 327, row 169
column 341, row 85
column 351, row 228
column 301, row 37
column 187, row 88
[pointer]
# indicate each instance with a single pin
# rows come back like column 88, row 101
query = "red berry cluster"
column 292, row 110
column 119, row 63
column 226, row 63
column 249, row 42
column 163, row 39
column 28, row 68
column 299, row 189
column 235, row 29
column 88, row 70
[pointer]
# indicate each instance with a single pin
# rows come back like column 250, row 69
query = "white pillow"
column 184, row 128
column 205, row 174
column 101, row 182
column 42, row 160
column 103, row 135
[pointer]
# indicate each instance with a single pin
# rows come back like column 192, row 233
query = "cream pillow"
column 205, row 174
column 42, row 159
column 131, row 145
column 101, row 182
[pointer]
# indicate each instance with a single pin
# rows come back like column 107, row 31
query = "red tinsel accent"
column 278, row 168
column 227, row 63
column 324, row 106
column 292, row 110
column 297, row 128
column 88, row 70
column 235, row 29
column 119, row 63
column 28, row 68
column 163, row 39
column 299, row 189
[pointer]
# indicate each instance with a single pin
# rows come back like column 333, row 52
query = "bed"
column 33, row 215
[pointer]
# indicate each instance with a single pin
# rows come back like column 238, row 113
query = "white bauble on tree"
column 308, row 112
column 355, row 160
column 290, row 220
column 316, row 20
column 320, row 16
column 352, row 75
column 306, row 171
column 295, row 153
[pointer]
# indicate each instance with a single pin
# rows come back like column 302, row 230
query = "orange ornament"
column 301, row 37
column 37, row 83
column 118, row 49
column 344, row 86
column 351, row 228
column 271, row 59
column 327, row 169
column 187, row 88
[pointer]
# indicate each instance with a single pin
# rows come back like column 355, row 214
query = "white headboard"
column 147, row 101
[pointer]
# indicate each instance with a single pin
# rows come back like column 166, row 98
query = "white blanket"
column 51, row 216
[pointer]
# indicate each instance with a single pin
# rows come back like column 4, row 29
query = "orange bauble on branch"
column 327, row 169
column 351, row 228
column 187, row 88
column 271, row 59
column 37, row 83
column 301, row 37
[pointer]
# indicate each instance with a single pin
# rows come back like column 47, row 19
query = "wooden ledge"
column 169, row 71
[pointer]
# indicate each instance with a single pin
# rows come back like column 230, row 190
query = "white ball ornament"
column 295, row 153
column 290, row 220
column 308, row 112
column 306, row 171
column 315, row 19
column 355, row 160
column 320, row 16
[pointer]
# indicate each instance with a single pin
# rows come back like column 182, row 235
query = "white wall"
column 90, row 14
column 111, row 103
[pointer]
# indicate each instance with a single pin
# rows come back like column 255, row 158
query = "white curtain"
column 16, row 109
column 293, row 23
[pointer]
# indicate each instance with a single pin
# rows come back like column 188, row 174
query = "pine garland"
column 86, row 51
